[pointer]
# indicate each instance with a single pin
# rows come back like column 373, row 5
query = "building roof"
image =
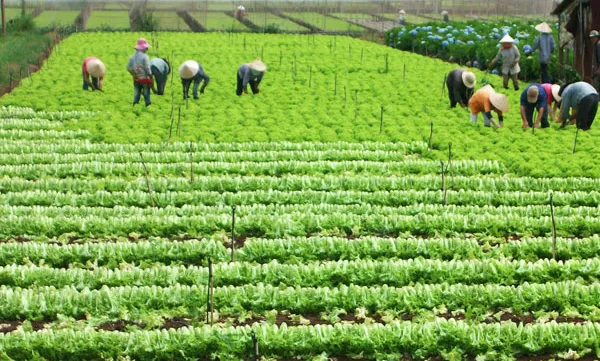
column 565, row 4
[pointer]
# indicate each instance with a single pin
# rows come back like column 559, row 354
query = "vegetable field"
column 298, row 223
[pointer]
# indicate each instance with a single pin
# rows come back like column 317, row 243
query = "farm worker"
column 545, row 42
column 191, row 71
column 534, row 97
column 594, row 37
column 485, row 100
column 401, row 20
column 583, row 98
column 445, row 16
column 251, row 73
column 139, row 67
column 553, row 99
column 160, row 69
column 94, row 68
column 239, row 13
column 460, row 83
column 510, row 61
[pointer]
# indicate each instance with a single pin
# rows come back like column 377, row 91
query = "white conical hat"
column 188, row 69
column 499, row 101
column 468, row 79
column 96, row 68
column 555, row 89
column 257, row 65
column 543, row 28
column 507, row 39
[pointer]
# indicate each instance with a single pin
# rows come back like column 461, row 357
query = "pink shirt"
column 84, row 67
column 548, row 88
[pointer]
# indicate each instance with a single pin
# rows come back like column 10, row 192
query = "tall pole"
column 22, row 7
column 3, row 17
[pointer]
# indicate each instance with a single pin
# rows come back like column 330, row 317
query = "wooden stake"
column 170, row 131
column 191, row 162
column 575, row 141
column 280, row 56
column 444, row 83
column 381, row 121
column 233, row 233
column 444, row 199
column 309, row 76
column 533, row 118
column 450, row 162
column 345, row 102
column 386, row 63
column 178, row 120
column 404, row 73
column 553, row 228
column 431, row 137
column 362, row 51
column 255, row 343
column 172, row 103
column 210, row 301
column 244, row 43
column 335, row 85
column 355, row 104
column 147, row 180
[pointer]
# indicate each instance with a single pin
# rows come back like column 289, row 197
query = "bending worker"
column 485, row 100
column 94, row 68
column 191, row 71
column 583, row 98
column 534, row 97
column 139, row 68
column 460, row 83
column 250, row 73
column 553, row 100
column 160, row 69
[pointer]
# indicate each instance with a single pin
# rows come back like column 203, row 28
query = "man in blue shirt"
column 534, row 97
column 160, row 68
column 544, row 42
column 250, row 73
column 583, row 98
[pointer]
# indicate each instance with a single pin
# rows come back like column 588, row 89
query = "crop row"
column 20, row 134
column 379, row 341
column 86, row 147
column 357, row 182
column 37, row 124
column 181, row 300
column 364, row 202
column 395, row 273
column 103, row 169
column 88, row 253
column 28, row 113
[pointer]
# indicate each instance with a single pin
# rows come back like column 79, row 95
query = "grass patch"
column 109, row 19
column 218, row 21
column 19, row 50
column 325, row 22
column 61, row 18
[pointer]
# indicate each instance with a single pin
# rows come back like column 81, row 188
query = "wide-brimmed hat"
column 401, row 12
column 468, row 79
column 543, row 28
column 594, row 34
column 507, row 39
column 555, row 90
column 257, row 65
column 96, row 68
column 444, row 12
column 532, row 94
column 188, row 69
column 142, row 44
column 499, row 101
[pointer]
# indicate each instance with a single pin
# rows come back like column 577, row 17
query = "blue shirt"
column 201, row 75
column 246, row 74
column 139, row 63
column 572, row 95
column 161, row 65
column 544, row 42
column 541, row 99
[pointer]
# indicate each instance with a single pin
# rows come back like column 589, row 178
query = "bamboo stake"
column 310, row 76
column 209, row 294
column 355, row 104
column 255, row 343
column 147, row 180
column 233, row 233
column 362, row 51
column 280, row 56
column 178, row 120
column 444, row 199
column 386, row 63
column 191, row 162
column 381, row 121
column 170, row 131
column 450, row 162
column 553, row 228
column 444, row 83
column 404, row 73
column 345, row 102
column 575, row 141
column 431, row 137
column 335, row 85
column 212, row 292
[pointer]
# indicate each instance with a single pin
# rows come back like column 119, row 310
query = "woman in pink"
column 553, row 99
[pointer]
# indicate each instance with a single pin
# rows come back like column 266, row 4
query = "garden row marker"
column 355, row 104
column 381, row 121
column 309, row 76
column 210, row 295
column 575, row 140
column 170, row 131
column 404, row 73
column 172, row 102
column 147, row 180
column 386, row 63
column 233, row 233
column 191, row 162
column 533, row 118
column 431, row 137
column 553, row 228
column 444, row 83
column 178, row 121
column 444, row 199
column 449, row 166
column 280, row 56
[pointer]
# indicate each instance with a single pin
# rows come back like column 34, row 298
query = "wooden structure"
column 579, row 17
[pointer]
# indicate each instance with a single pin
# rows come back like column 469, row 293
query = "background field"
column 218, row 21
column 60, row 18
column 169, row 20
column 112, row 19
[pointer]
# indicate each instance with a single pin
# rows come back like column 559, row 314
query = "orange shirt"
column 480, row 101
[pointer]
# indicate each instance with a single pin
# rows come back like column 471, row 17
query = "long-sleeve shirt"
column 509, row 56
column 245, row 73
column 541, row 100
column 201, row 75
column 457, row 87
column 480, row 101
column 161, row 65
column 572, row 95
column 544, row 42
column 139, row 64
column 86, row 74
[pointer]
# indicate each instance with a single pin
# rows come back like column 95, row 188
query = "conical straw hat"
column 188, row 69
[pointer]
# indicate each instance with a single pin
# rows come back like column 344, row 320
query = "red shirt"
column 548, row 88
column 84, row 67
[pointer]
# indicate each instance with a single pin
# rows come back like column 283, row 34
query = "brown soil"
column 119, row 325
column 177, row 322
